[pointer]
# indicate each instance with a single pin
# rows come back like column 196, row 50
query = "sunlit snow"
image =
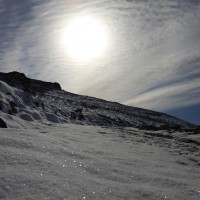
column 44, row 156
column 108, row 166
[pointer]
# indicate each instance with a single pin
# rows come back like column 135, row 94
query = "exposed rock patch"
column 3, row 124
column 20, row 81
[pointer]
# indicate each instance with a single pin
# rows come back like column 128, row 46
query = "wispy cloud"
column 159, row 56
column 170, row 96
column 153, row 59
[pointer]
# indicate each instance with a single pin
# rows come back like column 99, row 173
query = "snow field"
column 87, row 162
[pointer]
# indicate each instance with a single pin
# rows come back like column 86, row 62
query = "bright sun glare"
column 86, row 39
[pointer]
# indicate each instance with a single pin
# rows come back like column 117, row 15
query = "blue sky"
column 152, row 60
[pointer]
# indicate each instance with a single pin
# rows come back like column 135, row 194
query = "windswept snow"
column 49, row 151
column 87, row 162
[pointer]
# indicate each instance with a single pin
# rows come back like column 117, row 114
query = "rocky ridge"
column 46, row 102
column 20, row 81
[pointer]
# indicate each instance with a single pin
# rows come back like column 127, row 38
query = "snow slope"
column 59, row 145
column 38, row 101
column 77, row 162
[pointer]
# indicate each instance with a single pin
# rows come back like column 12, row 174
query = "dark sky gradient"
column 152, row 60
column 190, row 113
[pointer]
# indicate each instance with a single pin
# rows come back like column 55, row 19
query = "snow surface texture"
column 77, row 162
column 44, row 156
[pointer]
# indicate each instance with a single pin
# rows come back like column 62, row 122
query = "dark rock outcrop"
column 13, row 107
column 78, row 114
column 3, row 124
column 20, row 81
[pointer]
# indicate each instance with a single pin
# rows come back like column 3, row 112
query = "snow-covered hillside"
column 58, row 145
column 37, row 101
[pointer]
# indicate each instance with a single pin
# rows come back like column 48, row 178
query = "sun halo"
column 86, row 39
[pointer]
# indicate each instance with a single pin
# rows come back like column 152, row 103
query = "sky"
column 150, row 56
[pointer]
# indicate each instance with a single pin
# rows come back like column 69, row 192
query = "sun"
column 86, row 39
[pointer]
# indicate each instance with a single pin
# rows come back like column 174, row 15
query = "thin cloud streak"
column 152, row 61
column 169, row 97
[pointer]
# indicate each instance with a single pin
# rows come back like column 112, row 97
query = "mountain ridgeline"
column 27, row 100
column 20, row 81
